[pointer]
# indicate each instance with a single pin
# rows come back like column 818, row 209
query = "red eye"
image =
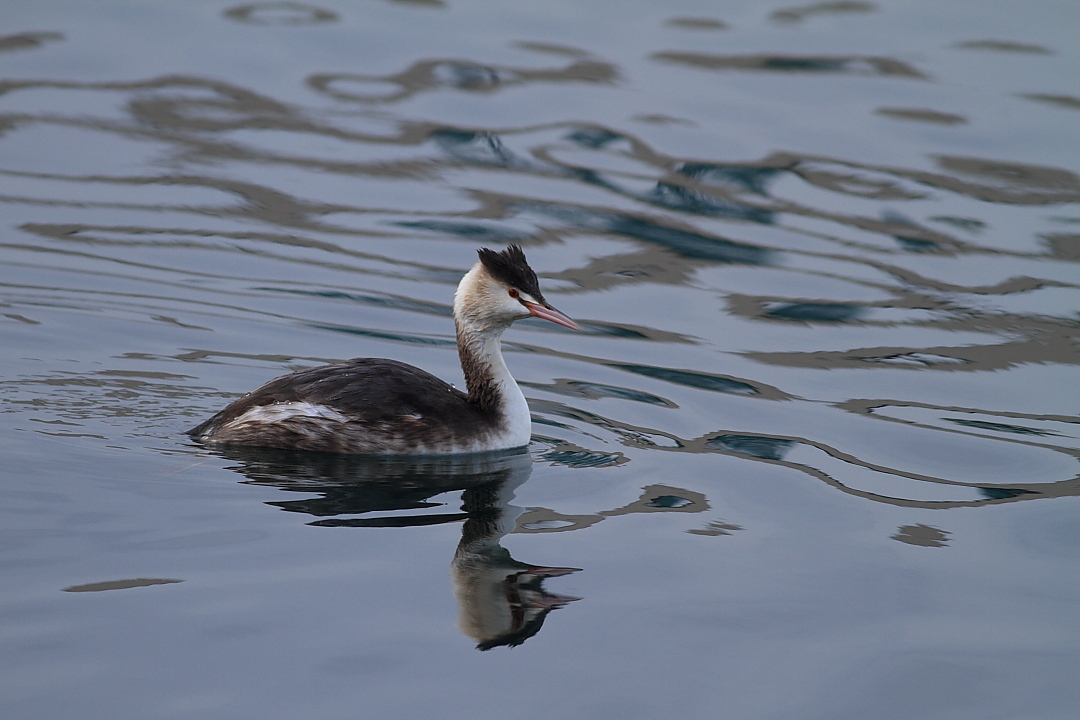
column 513, row 293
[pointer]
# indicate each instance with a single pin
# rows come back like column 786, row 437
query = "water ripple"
column 290, row 231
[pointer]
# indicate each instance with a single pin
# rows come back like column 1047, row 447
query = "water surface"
column 814, row 456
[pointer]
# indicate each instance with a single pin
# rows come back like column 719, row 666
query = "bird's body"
column 367, row 406
column 373, row 406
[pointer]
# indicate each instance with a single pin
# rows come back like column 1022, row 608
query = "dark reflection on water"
column 357, row 485
column 120, row 584
column 1065, row 101
column 501, row 601
column 829, row 7
column 818, row 312
column 858, row 65
column 1003, row 46
column 280, row 13
column 429, row 75
column 766, row 448
column 27, row 40
column 924, row 535
column 923, row 115
column 700, row 380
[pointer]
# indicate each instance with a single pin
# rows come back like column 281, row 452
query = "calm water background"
column 815, row 455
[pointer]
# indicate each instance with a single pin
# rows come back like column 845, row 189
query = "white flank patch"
column 283, row 411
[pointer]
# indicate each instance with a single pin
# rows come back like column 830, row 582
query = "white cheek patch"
column 283, row 411
column 514, row 308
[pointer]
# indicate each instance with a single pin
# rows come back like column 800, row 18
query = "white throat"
column 517, row 430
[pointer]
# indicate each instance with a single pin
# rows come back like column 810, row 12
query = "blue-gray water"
column 814, row 458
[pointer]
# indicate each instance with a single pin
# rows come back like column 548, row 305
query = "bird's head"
column 500, row 289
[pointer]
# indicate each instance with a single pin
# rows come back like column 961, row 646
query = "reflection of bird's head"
column 499, row 606
column 500, row 601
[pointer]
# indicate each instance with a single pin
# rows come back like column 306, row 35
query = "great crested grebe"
column 372, row 406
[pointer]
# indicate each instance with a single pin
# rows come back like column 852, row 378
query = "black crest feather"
column 511, row 268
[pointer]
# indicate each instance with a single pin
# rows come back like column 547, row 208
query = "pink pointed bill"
column 549, row 313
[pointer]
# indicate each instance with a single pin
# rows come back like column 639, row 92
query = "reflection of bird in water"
column 375, row 406
column 501, row 601
column 349, row 489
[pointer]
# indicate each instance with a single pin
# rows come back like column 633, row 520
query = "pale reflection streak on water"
column 202, row 146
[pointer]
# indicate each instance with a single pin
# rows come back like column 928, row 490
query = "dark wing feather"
column 368, row 390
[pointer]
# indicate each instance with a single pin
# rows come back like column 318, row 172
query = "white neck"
column 489, row 382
